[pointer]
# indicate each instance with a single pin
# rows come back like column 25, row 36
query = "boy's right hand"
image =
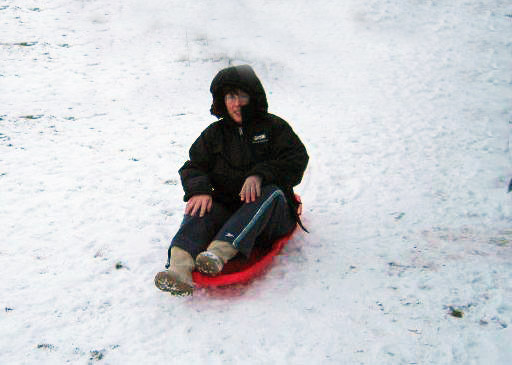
column 199, row 204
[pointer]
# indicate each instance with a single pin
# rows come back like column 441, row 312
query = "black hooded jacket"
column 226, row 153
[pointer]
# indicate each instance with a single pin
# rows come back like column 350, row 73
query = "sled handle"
column 299, row 207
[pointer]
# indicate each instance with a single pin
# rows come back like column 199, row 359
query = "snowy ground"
column 405, row 107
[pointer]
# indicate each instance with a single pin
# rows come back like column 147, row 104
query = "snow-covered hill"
column 405, row 108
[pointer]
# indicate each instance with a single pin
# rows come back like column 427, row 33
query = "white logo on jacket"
column 260, row 138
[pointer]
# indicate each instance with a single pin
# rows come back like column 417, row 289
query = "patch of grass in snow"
column 398, row 215
column 499, row 241
column 97, row 355
column 31, row 116
column 171, row 182
column 458, row 311
column 46, row 346
column 120, row 265
column 455, row 312
column 25, row 44
column 503, row 239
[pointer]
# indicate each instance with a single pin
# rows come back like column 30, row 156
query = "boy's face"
column 234, row 101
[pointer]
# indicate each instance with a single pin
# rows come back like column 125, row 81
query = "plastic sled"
column 240, row 270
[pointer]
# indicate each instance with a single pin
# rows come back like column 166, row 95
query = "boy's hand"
column 199, row 204
column 251, row 190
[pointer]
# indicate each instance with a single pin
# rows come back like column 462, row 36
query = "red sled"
column 240, row 270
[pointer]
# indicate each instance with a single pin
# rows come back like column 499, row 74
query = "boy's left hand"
column 251, row 190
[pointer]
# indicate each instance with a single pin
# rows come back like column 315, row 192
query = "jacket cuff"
column 189, row 195
column 196, row 186
column 266, row 178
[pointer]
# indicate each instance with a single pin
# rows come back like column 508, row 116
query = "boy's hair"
column 227, row 89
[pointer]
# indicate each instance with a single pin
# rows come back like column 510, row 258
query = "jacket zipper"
column 243, row 149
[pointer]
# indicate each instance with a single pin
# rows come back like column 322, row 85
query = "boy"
column 238, row 182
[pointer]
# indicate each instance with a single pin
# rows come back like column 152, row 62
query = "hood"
column 242, row 77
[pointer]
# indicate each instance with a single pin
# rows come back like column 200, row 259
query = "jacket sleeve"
column 288, row 162
column 194, row 173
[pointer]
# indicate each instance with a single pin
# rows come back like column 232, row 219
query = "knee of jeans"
column 268, row 190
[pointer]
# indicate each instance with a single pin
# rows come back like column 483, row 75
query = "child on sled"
column 238, row 182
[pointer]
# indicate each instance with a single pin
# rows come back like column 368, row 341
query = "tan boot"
column 211, row 261
column 178, row 278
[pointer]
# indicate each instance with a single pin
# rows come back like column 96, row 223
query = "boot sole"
column 208, row 264
column 167, row 282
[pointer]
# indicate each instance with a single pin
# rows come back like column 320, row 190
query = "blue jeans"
column 260, row 222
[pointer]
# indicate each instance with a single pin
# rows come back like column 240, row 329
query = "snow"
column 404, row 108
